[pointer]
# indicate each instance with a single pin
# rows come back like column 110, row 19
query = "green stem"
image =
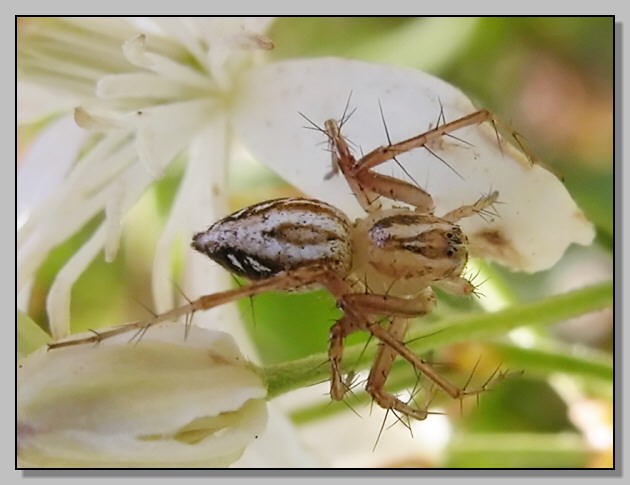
column 592, row 366
column 558, row 357
column 284, row 377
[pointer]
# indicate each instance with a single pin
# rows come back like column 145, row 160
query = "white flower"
column 148, row 91
column 151, row 91
column 165, row 402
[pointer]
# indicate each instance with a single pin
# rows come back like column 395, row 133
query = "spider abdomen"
column 279, row 235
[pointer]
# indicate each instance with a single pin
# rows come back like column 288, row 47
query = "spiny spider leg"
column 371, row 304
column 386, row 355
column 279, row 282
column 380, row 371
column 364, row 182
column 342, row 159
column 398, row 347
column 384, row 153
column 470, row 210
column 416, row 306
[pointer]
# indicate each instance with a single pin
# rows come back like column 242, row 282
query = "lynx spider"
column 382, row 265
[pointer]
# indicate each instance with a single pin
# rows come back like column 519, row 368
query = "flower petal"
column 165, row 402
column 159, row 140
column 46, row 164
column 135, row 53
column 140, row 85
column 537, row 219
column 58, row 299
column 194, row 207
column 81, row 195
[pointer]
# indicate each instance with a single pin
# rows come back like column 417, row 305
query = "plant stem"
column 288, row 376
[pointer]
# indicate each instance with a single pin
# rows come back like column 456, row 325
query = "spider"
column 382, row 265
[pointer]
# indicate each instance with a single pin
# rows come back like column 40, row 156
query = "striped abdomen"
column 278, row 235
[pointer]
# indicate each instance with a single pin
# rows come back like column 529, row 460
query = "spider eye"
column 450, row 252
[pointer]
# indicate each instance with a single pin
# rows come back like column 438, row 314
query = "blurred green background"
column 552, row 78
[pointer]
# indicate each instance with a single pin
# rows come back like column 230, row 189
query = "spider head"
column 415, row 250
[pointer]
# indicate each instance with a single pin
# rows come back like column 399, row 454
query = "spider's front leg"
column 284, row 281
column 367, row 185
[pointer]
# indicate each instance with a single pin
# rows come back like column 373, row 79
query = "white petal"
column 44, row 228
column 114, row 214
column 180, row 29
column 280, row 446
column 194, row 208
column 140, row 85
column 164, row 131
column 135, row 181
column 122, row 405
column 34, row 102
column 135, row 52
column 58, row 300
column 235, row 32
column 82, row 195
column 46, row 164
column 538, row 219
column 53, row 52
column 97, row 120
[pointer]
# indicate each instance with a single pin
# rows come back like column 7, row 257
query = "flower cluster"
column 148, row 91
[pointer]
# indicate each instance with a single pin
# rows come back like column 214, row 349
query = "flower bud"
column 163, row 402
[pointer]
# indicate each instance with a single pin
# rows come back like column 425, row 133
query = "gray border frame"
column 469, row 474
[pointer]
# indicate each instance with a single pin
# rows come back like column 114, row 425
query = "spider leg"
column 342, row 159
column 367, row 185
column 380, row 371
column 354, row 319
column 472, row 209
column 353, row 308
column 287, row 280
column 338, row 332
column 399, row 309
column 384, row 153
